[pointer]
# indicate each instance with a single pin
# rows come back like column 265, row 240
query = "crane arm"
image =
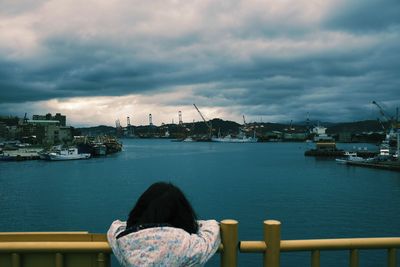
column 381, row 111
column 201, row 115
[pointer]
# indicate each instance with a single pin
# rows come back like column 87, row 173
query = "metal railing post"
column 15, row 260
column 354, row 262
column 230, row 243
column 315, row 258
column 392, row 257
column 59, row 260
column 272, row 238
column 101, row 260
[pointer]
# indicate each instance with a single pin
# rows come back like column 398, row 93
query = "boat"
column 240, row 138
column 20, row 154
column 325, row 149
column 350, row 157
column 68, row 154
column 99, row 149
column 230, row 139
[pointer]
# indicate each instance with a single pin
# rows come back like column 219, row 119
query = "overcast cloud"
column 97, row 61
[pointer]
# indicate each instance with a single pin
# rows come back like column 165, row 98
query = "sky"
column 97, row 61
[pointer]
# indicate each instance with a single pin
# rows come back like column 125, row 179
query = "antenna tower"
column 180, row 117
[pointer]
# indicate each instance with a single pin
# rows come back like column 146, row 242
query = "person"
column 162, row 230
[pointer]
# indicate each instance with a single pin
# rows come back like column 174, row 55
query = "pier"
column 385, row 165
column 79, row 249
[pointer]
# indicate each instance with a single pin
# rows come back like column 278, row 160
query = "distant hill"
column 231, row 127
column 96, row 130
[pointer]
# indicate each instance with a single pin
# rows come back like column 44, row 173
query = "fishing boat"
column 99, row 149
column 67, row 154
column 240, row 138
column 325, row 149
column 230, row 139
column 350, row 157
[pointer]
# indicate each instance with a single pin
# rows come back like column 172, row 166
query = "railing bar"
column 354, row 259
column 59, row 259
column 339, row 244
column 315, row 258
column 323, row 244
column 392, row 257
column 15, row 260
column 53, row 246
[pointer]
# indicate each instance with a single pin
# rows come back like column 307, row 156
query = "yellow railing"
column 54, row 249
column 272, row 246
column 79, row 249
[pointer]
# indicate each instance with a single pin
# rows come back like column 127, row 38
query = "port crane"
column 382, row 112
column 207, row 123
column 393, row 124
column 391, row 120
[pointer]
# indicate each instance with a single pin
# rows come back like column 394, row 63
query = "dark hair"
column 164, row 203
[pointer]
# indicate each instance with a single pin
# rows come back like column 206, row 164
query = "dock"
column 20, row 154
column 387, row 165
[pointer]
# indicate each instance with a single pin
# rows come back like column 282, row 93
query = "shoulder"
column 116, row 227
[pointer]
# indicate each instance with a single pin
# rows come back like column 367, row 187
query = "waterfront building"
column 47, row 131
column 295, row 136
column 345, row 137
column 48, row 117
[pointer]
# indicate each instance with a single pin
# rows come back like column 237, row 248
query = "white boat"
column 188, row 139
column 350, row 157
column 230, row 139
column 68, row 154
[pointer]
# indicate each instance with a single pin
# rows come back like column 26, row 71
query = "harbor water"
column 313, row 198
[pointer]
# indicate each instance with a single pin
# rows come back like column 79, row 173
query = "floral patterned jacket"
column 164, row 246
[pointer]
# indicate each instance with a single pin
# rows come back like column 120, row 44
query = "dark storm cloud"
column 266, row 61
column 359, row 15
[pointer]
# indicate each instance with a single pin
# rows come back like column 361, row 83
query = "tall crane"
column 207, row 123
column 391, row 120
column 393, row 124
column 382, row 112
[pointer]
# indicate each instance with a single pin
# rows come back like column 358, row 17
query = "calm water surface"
column 248, row 182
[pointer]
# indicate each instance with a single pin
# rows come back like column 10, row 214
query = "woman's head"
column 164, row 203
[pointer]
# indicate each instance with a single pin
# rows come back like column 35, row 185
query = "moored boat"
column 325, row 149
column 67, row 154
column 240, row 138
column 99, row 149
column 230, row 139
column 350, row 157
